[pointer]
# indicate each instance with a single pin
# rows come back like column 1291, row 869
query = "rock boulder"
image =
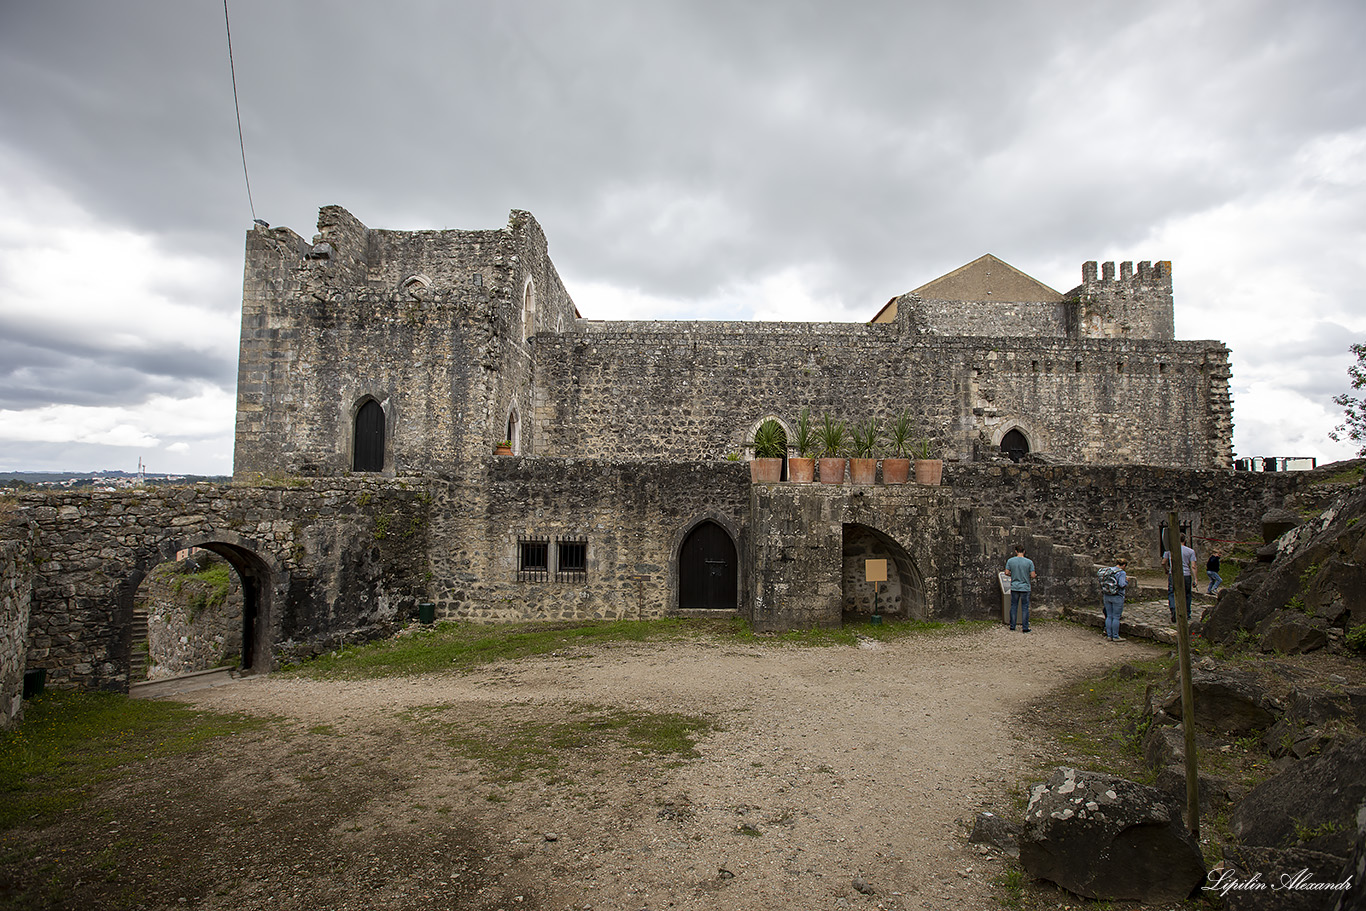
column 1108, row 838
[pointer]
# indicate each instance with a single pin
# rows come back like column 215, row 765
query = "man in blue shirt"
column 1021, row 570
column 1188, row 573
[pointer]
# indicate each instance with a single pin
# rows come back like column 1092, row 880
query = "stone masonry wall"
column 16, row 589
column 632, row 516
column 335, row 559
column 695, row 390
column 429, row 324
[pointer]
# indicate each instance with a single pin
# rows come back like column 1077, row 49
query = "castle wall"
column 632, row 517
column 1007, row 319
column 325, row 559
column 16, row 592
column 430, row 324
column 694, row 390
column 1134, row 304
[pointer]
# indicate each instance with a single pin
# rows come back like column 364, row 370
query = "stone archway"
column 901, row 597
column 260, row 580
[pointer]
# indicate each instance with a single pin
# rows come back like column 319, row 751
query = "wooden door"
column 707, row 570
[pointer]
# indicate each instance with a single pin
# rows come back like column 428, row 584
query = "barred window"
column 571, row 563
column 533, row 559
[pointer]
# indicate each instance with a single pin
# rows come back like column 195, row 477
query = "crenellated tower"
column 1134, row 304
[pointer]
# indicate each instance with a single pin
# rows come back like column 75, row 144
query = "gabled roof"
column 984, row 279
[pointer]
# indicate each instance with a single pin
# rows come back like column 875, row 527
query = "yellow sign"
column 876, row 570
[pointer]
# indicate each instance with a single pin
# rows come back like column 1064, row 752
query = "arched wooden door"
column 707, row 570
column 369, row 438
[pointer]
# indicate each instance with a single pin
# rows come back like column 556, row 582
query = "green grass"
column 458, row 646
column 516, row 747
column 69, row 742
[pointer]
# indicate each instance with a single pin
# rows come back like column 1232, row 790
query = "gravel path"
column 827, row 769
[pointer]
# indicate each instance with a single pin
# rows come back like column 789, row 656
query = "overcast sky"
column 790, row 159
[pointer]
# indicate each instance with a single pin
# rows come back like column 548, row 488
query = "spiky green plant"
column 867, row 437
column 832, row 437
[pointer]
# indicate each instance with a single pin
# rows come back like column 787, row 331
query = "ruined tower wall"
column 428, row 324
column 695, row 390
column 1134, row 304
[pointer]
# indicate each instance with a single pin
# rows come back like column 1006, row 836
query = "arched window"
column 1015, row 445
column 368, row 442
column 514, row 433
column 529, row 309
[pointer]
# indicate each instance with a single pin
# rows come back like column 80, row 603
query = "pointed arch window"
column 368, row 440
column 1015, row 445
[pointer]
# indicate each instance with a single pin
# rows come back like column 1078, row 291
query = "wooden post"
column 1183, row 653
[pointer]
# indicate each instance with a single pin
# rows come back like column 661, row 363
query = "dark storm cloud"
column 36, row 370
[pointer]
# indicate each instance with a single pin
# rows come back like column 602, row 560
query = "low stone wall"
column 16, row 589
column 631, row 518
column 1105, row 511
column 323, row 561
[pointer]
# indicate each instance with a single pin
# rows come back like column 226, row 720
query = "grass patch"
column 70, row 742
column 515, row 748
column 457, row 646
column 1349, row 475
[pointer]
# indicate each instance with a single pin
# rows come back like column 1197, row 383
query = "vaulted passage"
column 707, row 570
column 902, row 596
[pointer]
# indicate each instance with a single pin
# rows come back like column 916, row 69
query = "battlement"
column 1134, row 304
column 1148, row 273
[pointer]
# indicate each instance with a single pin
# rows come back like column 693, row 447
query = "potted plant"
column 830, row 440
column 927, row 470
column 770, row 445
column 897, row 468
column 504, row 448
column 801, row 468
column 863, row 466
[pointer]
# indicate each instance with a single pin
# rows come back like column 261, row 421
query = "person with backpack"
column 1113, row 582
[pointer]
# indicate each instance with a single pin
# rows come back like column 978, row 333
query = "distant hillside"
column 77, row 478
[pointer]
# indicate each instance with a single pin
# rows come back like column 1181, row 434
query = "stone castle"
column 412, row 352
column 380, row 370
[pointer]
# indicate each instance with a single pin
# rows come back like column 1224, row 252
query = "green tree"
column 1354, row 427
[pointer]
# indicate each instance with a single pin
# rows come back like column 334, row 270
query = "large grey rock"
column 1226, row 701
column 1105, row 837
column 1313, row 803
column 1290, row 632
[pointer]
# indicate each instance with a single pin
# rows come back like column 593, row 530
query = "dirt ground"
column 831, row 778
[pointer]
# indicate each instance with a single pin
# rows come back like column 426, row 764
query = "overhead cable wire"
column 241, row 144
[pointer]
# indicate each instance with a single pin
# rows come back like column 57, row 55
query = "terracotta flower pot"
column 863, row 471
column 502, row 450
column 766, row 471
column 801, row 471
column 929, row 471
column 832, row 471
column 895, row 471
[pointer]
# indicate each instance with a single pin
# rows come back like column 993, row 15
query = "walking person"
column 1021, row 570
column 1187, row 572
column 1212, row 571
column 1113, row 583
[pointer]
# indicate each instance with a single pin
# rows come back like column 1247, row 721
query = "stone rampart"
column 16, row 590
column 694, row 390
column 320, row 562
column 630, row 517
